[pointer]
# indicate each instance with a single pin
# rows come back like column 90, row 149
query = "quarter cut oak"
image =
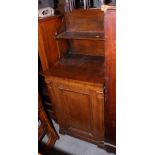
column 82, row 81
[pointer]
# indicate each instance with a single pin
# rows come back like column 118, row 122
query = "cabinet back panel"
column 87, row 47
column 85, row 20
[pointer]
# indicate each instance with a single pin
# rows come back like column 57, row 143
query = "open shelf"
column 79, row 67
column 81, row 35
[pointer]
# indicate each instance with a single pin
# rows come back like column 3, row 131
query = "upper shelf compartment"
column 81, row 35
column 83, row 24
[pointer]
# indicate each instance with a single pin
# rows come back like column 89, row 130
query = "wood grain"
column 110, row 75
column 48, row 50
column 77, row 105
column 81, row 77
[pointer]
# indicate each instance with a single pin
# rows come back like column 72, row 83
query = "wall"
column 45, row 3
column 62, row 2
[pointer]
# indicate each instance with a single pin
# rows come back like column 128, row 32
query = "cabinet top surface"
column 79, row 67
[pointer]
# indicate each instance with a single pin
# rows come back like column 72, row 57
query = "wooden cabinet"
column 76, row 80
column 80, row 73
column 79, row 108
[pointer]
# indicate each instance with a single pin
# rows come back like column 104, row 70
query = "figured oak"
column 82, row 82
column 79, row 108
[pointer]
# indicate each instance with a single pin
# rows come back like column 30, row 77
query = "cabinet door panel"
column 77, row 107
column 80, row 110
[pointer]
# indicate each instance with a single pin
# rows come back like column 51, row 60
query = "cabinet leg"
column 109, row 148
column 62, row 131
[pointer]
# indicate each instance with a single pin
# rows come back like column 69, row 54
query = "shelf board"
column 79, row 67
column 81, row 35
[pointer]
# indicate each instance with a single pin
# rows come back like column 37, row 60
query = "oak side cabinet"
column 81, row 78
column 76, row 80
column 79, row 108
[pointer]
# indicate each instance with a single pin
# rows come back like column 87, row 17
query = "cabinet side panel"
column 42, row 49
column 48, row 30
column 110, row 75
